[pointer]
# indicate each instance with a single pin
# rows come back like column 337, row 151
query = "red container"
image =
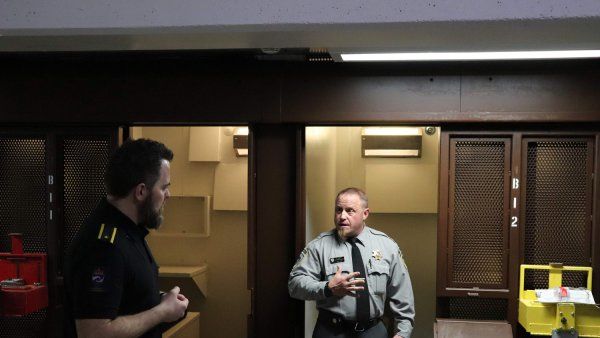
column 19, row 300
column 16, row 242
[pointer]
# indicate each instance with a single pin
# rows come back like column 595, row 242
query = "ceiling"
column 355, row 25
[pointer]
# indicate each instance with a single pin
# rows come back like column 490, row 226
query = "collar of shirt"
column 362, row 238
column 123, row 222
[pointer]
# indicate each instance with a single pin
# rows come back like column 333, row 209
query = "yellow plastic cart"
column 543, row 319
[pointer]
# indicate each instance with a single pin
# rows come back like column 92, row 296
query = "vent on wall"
column 319, row 55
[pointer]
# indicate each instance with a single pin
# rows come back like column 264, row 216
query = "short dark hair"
column 135, row 162
column 352, row 190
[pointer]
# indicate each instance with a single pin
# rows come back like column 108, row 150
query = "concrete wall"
column 71, row 25
column 67, row 14
column 414, row 232
column 224, row 311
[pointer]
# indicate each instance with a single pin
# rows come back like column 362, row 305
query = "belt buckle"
column 358, row 327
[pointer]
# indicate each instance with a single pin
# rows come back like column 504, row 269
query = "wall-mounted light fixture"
column 391, row 141
column 240, row 141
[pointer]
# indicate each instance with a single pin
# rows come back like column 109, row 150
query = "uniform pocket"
column 379, row 273
column 331, row 269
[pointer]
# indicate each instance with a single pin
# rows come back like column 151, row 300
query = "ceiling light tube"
column 471, row 56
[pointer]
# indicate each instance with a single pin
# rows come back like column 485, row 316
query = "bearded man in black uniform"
column 111, row 278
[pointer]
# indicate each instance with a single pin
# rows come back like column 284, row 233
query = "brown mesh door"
column 23, row 208
column 478, row 212
column 83, row 160
column 81, row 163
column 477, row 308
column 557, row 196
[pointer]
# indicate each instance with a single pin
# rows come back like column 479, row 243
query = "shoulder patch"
column 401, row 257
column 303, row 254
column 107, row 233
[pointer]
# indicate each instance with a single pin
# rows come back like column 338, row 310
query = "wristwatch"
column 327, row 290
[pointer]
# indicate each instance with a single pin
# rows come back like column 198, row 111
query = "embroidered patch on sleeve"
column 98, row 278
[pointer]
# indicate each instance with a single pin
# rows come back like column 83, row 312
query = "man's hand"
column 173, row 305
column 397, row 336
column 171, row 308
column 341, row 285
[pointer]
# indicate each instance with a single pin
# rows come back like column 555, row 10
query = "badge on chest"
column 336, row 260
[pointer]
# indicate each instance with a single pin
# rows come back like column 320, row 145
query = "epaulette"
column 383, row 234
column 320, row 237
column 107, row 233
column 326, row 234
column 379, row 233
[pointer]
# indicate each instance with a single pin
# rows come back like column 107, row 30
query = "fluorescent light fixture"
column 471, row 56
column 391, row 141
column 392, row 131
column 241, row 131
column 391, row 153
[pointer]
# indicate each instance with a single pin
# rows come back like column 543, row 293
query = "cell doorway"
column 398, row 169
column 202, row 247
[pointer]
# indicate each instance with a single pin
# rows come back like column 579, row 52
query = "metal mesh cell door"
column 477, row 308
column 478, row 198
column 82, row 163
column 474, row 237
column 557, row 194
column 23, row 208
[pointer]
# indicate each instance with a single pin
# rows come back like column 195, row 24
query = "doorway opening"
column 202, row 245
column 403, row 199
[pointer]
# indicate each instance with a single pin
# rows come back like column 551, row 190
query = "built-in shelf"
column 196, row 273
column 182, row 270
column 188, row 327
column 186, row 216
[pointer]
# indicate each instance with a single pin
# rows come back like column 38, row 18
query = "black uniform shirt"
column 109, row 270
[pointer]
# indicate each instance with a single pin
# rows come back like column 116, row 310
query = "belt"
column 334, row 320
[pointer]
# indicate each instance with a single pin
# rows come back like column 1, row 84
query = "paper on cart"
column 565, row 295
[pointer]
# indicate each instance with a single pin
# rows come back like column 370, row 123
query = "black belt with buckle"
column 335, row 320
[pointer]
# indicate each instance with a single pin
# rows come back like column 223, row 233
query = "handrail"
column 555, row 275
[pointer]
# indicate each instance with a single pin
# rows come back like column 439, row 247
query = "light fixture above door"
column 240, row 141
column 391, row 141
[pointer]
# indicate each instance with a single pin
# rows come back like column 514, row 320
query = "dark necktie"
column 363, row 311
